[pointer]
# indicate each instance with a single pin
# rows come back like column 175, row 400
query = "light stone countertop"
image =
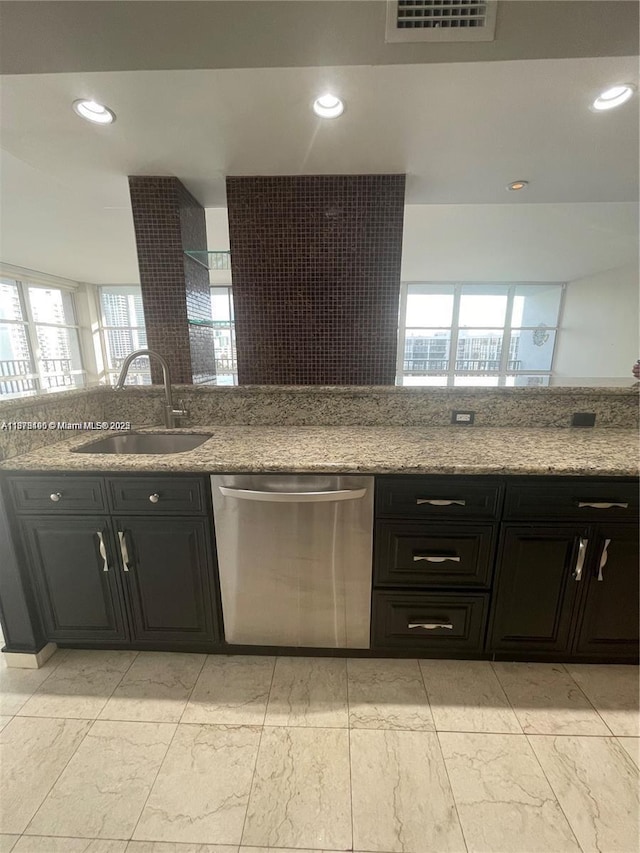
column 365, row 449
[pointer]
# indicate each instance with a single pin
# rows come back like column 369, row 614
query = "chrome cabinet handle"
column 435, row 559
column 582, row 551
column 439, row 502
column 154, row 498
column 603, row 558
column 103, row 551
column 124, row 550
column 431, row 626
column 55, row 497
column 603, row 504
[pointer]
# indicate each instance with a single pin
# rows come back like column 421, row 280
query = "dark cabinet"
column 609, row 615
column 75, row 575
column 141, row 573
column 538, row 577
column 165, row 565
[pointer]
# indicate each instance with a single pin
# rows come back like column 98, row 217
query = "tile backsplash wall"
column 316, row 277
column 175, row 289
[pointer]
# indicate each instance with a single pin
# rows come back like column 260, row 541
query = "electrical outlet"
column 583, row 419
column 463, row 418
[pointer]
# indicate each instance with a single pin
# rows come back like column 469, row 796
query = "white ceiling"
column 459, row 131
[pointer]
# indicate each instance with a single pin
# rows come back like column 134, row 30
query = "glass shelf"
column 212, row 260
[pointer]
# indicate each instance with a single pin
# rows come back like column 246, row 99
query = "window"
column 123, row 331
column 224, row 335
column 39, row 343
column 477, row 334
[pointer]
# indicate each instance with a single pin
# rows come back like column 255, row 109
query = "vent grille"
column 441, row 20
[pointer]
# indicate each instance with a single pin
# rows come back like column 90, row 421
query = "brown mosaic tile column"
column 316, row 277
column 175, row 288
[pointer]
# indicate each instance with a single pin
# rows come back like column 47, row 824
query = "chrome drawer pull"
column 602, row 505
column 154, row 498
column 582, row 551
column 431, row 626
column 103, row 551
column 123, row 550
column 439, row 502
column 55, row 497
column 436, row 559
column 603, row 559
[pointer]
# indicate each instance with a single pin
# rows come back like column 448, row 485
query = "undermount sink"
column 144, row 443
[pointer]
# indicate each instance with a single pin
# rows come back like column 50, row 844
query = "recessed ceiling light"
column 93, row 111
column 612, row 97
column 328, row 106
column 518, row 185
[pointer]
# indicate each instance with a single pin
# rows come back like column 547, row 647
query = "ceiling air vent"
column 441, row 20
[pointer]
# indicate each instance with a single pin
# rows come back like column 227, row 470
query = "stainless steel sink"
column 144, row 443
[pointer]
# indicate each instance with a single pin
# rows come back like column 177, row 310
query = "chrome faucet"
column 170, row 414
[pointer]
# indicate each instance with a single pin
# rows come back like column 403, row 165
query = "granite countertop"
column 364, row 449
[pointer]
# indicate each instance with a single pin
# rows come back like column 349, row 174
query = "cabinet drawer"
column 417, row 554
column 58, row 493
column 573, row 501
column 437, row 497
column 157, row 495
column 435, row 621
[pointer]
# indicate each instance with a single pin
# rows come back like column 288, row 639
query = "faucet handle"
column 181, row 410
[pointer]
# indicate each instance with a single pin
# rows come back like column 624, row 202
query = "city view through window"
column 39, row 348
column 468, row 334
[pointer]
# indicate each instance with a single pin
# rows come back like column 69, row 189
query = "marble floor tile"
column 309, row 692
column 301, row 794
column 202, row 790
column 281, row 850
column 504, row 801
column 466, row 696
column 232, row 690
column 614, row 690
column 155, row 688
column 108, row 781
column 18, row 685
column 401, row 795
column 172, row 847
column 547, row 701
column 387, row 694
column 49, row 844
column 631, row 746
column 597, row 788
column 7, row 842
column 80, row 686
column 3, row 721
column 33, row 753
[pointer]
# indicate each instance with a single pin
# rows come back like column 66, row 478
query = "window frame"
column 502, row 373
column 37, row 375
column 110, row 374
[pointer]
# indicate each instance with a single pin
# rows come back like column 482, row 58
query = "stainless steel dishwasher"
column 294, row 554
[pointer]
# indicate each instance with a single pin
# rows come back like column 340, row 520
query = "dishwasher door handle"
column 293, row 497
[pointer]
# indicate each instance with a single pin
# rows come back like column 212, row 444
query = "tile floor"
column 106, row 752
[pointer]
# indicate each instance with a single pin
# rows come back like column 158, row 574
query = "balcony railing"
column 17, row 375
column 431, row 365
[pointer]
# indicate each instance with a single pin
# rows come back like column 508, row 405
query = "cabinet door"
column 609, row 619
column 75, row 576
column 539, row 570
column 167, row 565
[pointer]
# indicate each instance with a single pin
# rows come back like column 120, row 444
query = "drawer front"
column 425, row 555
column 575, row 501
column 429, row 621
column 437, row 497
column 157, row 495
column 58, row 493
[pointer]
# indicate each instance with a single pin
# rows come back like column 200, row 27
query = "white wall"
column 599, row 336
